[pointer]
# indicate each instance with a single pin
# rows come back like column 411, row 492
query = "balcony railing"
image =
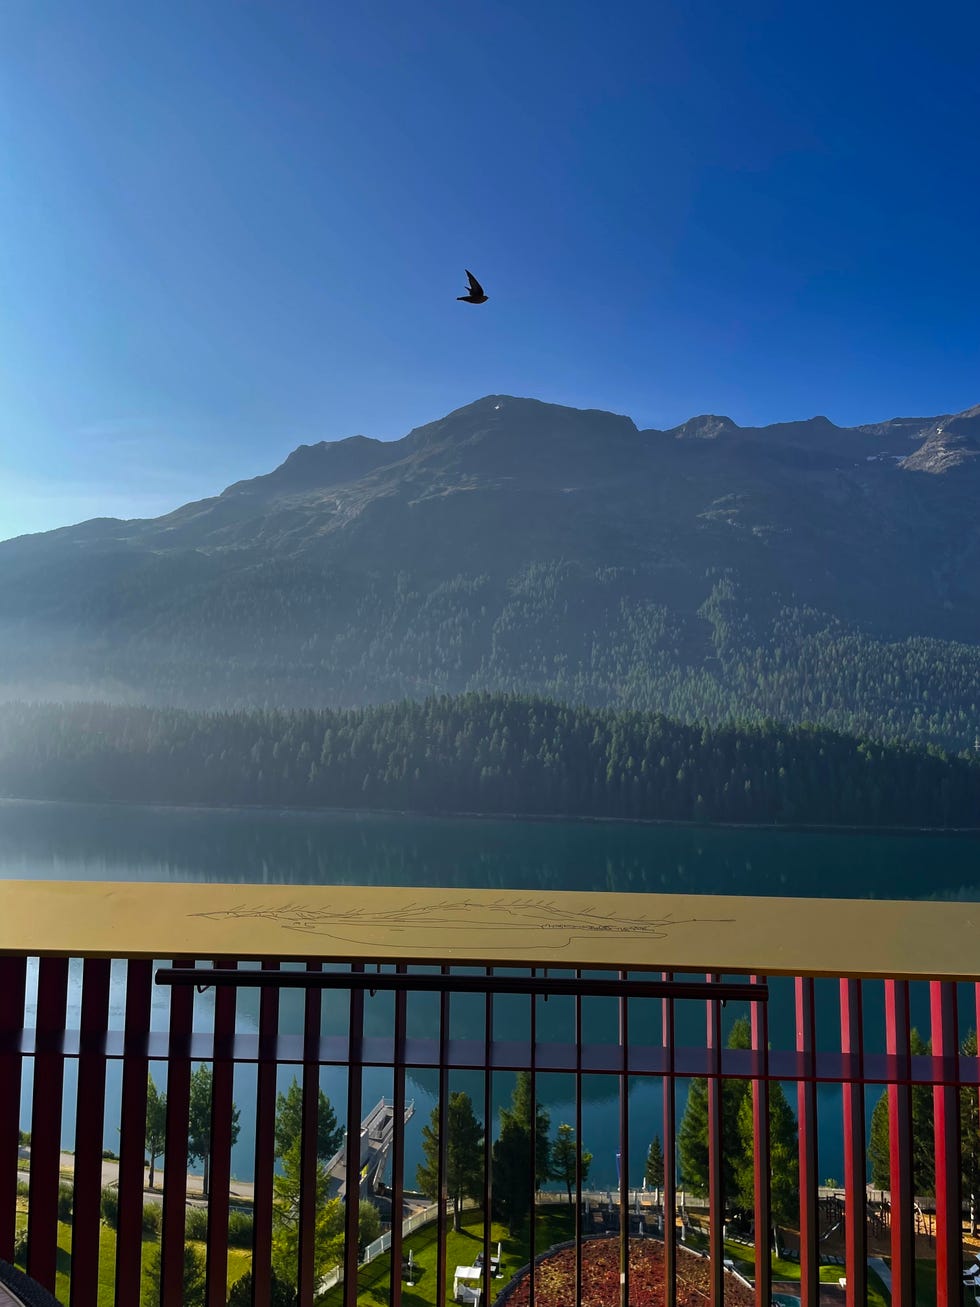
column 605, row 1004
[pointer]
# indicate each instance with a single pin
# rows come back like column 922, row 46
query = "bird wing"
column 475, row 287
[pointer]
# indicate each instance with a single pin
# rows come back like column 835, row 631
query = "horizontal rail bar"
column 206, row 977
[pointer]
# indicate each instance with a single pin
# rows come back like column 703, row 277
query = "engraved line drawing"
column 467, row 918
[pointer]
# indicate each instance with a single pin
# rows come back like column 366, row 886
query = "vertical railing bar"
column 352, row 1196
column 946, row 1122
column 578, row 1152
column 533, row 1080
column 855, row 1173
column 86, row 1227
column 487, row 1138
column 309, row 1144
column 132, row 1132
column 219, row 1164
column 398, row 1145
column 13, row 986
column 441, row 1179
column 669, row 1191
column 624, row 1137
column 49, row 1077
column 266, row 1097
column 806, row 1100
column 762, row 1133
column 900, row 1182
column 175, row 1149
column 716, row 1175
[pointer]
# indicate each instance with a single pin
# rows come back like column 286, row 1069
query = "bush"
column 23, row 1189
column 240, row 1226
column 152, row 1218
column 195, row 1268
column 109, row 1156
column 241, row 1293
column 66, row 1200
column 25, row 1138
column 20, row 1247
column 110, row 1206
column 196, row 1223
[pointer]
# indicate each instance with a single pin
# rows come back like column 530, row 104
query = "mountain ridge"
column 530, row 547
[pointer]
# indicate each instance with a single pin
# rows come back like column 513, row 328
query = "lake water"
column 113, row 842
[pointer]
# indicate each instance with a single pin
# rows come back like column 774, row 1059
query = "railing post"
column 900, row 1183
column 670, row 1153
column 13, row 986
column 398, row 1147
column 624, row 1152
column 265, row 1143
column 86, row 1226
column 855, row 1172
column 132, row 1137
column 309, row 1140
column 761, row 1135
column 49, row 1079
column 806, row 1099
column 219, row 1164
column 175, row 1156
column 946, row 1115
column 352, row 1194
column 716, row 1156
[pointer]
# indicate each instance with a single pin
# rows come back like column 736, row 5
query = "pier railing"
column 639, row 1017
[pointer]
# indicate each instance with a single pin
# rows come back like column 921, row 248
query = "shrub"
column 110, row 1206
column 152, row 1218
column 109, row 1156
column 240, row 1226
column 281, row 1294
column 66, row 1200
column 196, row 1223
column 20, row 1247
column 23, row 1189
column 195, row 1268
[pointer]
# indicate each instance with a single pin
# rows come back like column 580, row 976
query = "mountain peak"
column 707, row 426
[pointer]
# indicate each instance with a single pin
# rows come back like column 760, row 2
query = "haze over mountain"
column 802, row 570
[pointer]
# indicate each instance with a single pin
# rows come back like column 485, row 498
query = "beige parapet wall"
column 767, row 936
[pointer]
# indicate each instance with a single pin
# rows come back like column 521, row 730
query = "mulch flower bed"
column 554, row 1278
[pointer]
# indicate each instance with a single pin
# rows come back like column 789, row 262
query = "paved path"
column 243, row 1190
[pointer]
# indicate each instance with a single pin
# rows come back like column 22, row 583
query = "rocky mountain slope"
column 709, row 569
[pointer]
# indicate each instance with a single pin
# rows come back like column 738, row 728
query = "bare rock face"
column 950, row 443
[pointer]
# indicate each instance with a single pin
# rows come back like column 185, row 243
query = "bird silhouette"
column 475, row 294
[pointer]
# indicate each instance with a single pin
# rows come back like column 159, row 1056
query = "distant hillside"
column 800, row 571
column 486, row 754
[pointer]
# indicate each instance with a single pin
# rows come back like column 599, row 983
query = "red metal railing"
column 41, row 1033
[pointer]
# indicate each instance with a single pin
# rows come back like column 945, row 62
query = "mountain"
column 801, row 570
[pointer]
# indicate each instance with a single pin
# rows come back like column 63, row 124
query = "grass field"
column 238, row 1263
column 552, row 1225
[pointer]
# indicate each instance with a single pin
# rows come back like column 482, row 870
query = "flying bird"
column 475, row 294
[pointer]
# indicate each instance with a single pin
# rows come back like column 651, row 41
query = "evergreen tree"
column 156, row 1124
column 511, row 1174
column 464, row 1154
column 653, row 1171
column 566, row 1157
column 195, row 1275
column 692, row 1137
column 328, row 1235
column 879, row 1145
column 199, row 1121
column 970, row 1135
column 522, row 1109
column 289, row 1123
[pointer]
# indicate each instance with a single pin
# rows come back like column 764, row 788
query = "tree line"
column 487, row 753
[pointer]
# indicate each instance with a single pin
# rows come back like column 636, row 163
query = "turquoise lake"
column 115, row 842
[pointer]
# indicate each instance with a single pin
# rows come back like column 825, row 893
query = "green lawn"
column 552, row 1225
column 239, row 1261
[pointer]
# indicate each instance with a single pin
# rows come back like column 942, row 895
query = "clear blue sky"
column 226, row 228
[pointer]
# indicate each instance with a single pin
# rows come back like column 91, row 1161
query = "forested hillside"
column 800, row 572
column 482, row 753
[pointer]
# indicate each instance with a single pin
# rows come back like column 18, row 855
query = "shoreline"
column 557, row 818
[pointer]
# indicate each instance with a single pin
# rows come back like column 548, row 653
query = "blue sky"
column 228, row 228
